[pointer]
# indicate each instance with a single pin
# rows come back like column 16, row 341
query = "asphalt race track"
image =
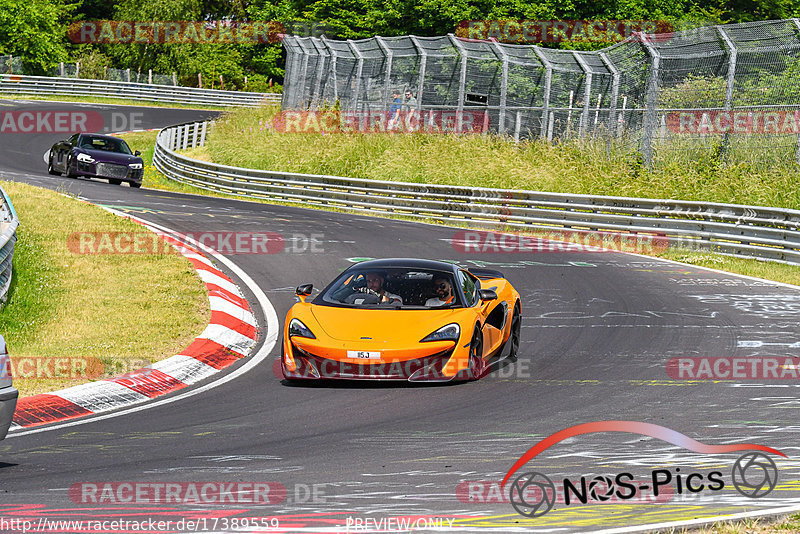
column 598, row 331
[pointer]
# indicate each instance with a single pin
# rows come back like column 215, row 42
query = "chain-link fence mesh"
column 10, row 65
column 731, row 91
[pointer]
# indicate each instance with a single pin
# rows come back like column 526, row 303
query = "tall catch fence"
column 728, row 92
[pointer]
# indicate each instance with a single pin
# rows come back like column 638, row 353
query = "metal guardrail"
column 762, row 232
column 8, row 236
column 43, row 85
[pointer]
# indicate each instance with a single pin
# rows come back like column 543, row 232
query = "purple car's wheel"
column 72, row 172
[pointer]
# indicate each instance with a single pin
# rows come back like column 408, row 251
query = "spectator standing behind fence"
column 394, row 111
column 410, row 110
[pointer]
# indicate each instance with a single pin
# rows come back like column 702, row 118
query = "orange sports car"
column 402, row 319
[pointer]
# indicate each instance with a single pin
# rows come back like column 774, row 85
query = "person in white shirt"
column 375, row 282
column 444, row 293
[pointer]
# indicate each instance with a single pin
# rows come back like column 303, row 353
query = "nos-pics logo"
column 533, row 494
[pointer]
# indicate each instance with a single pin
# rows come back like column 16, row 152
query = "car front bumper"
column 312, row 367
column 8, row 403
column 108, row 171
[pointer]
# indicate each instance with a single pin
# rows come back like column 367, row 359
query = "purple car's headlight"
column 135, row 165
column 85, row 158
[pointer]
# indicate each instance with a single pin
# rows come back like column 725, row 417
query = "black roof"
column 102, row 136
column 412, row 263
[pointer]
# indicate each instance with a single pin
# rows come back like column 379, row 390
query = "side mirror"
column 137, row 153
column 303, row 291
column 487, row 294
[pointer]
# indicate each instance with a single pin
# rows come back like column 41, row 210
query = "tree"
column 34, row 30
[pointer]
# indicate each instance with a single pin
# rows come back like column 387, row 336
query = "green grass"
column 125, row 310
column 574, row 166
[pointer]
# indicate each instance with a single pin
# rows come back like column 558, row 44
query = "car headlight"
column 135, row 165
column 85, row 158
column 297, row 328
column 445, row 333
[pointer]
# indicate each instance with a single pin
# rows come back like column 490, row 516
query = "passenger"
column 444, row 293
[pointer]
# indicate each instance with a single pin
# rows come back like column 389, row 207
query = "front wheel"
column 476, row 363
column 514, row 336
column 137, row 185
column 72, row 172
column 114, row 181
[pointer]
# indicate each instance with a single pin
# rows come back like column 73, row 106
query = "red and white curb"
column 230, row 335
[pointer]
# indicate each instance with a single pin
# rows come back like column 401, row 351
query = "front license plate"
column 363, row 355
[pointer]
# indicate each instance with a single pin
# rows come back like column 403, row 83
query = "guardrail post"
column 203, row 133
column 423, row 63
column 649, row 123
column 186, row 137
column 194, row 134
column 501, row 127
column 548, row 80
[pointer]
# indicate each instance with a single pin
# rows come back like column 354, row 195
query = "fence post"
column 649, row 123
column 317, row 95
column 150, row 76
column 797, row 153
column 332, row 52
column 387, row 81
column 732, row 53
column 174, row 79
column 501, row 126
column 128, row 74
column 77, row 69
column 359, row 72
column 548, row 81
column 587, row 82
column 462, row 81
column 423, row 63
column 186, row 136
column 61, row 69
column 612, row 107
column 194, row 134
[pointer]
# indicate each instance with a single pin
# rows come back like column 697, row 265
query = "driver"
column 375, row 282
column 444, row 293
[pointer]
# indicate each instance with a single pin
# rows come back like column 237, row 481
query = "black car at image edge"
column 96, row 156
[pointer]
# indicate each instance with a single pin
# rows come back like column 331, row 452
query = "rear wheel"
column 50, row 168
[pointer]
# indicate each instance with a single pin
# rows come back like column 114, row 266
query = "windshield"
column 104, row 143
column 404, row 288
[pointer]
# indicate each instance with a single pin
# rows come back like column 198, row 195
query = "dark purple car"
column 98, row 156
